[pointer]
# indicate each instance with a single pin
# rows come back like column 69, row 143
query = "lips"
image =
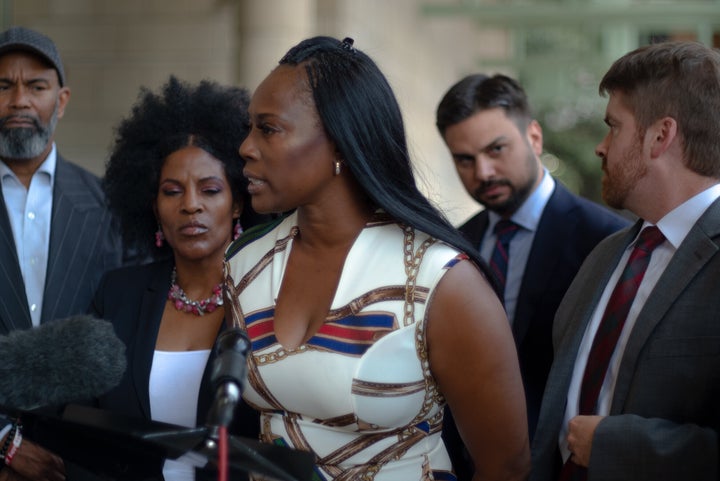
column 491, row 189
column 254, row 184
column 193, row 229
column 19, row 122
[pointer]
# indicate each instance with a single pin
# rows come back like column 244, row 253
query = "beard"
column 619, row 181
column 26, row 142
column 518, row 193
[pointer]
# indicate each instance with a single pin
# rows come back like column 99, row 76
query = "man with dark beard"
column 56, row 236
column 496, row 146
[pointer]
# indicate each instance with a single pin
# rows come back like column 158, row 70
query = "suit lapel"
column 569, row 328
column 151, row 311
column 585, row 293
column 73, row 234
column 475, row 228
column 554, row 224
column 150, row 316
column 693, row 254
column 14, row 312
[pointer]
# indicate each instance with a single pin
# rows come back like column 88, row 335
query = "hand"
column 34, row 462
column 8, row 474
column 581, row 430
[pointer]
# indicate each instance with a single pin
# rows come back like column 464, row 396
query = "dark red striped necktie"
column 505, row 230
column 609, row 331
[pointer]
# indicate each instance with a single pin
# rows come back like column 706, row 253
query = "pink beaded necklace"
column 182, row 303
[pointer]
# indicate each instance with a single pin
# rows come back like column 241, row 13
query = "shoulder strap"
column 251, row 235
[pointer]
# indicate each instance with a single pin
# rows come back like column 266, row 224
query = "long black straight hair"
column 362, row 118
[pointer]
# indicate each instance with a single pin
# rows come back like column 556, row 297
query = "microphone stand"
column 124, row 448
column 220, row 416
column 222, row 454
column 228, row 373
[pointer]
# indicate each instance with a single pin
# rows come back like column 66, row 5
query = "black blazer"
column 569, row 228
column 133, row 299
column 83, row 245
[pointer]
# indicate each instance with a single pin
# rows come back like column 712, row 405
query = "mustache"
column 29, row 118
column 488, row 184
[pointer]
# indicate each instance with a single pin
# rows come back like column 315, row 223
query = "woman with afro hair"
column 174, row 180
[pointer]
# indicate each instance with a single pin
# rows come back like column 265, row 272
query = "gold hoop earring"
column 337, row 167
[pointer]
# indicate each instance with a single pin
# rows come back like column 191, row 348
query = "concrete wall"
column 112, row 48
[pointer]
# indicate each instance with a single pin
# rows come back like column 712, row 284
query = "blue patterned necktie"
column 504, row 230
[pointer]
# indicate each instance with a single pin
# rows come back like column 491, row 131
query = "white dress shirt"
column 30, row 212
column 528, row 218
column 675, row 226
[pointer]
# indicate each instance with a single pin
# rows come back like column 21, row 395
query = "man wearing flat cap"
column 56, row 236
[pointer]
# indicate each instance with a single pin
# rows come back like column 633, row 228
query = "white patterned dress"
column 358, row 394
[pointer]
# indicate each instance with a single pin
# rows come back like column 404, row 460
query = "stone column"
column 267, row 29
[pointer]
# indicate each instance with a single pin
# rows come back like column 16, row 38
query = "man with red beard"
column 634, row 391
column 496, row 145
column 56, row 235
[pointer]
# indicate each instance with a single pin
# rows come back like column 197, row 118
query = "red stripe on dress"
column 347, row 333
column 260, row 328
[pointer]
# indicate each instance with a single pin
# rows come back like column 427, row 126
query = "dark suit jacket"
column 664, row 421
column 570, row 227
column 133, row 299
column 83, row 245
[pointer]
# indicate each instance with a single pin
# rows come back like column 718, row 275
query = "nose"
column 601, row 148
column 484, row 168
column 247, row 148
column 19, row 98
column 191, row 202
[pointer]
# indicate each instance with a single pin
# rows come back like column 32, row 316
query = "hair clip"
column 347, row 44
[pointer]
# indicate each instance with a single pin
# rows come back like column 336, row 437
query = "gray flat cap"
column 21, row 38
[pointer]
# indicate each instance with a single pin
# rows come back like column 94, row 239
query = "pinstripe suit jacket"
column 83, row 245
column 664, row 421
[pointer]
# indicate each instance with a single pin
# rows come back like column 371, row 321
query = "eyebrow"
column 202, row 179
column 496, row 140
column 263, row 115
column 465, row 155
column 499, row 139
column 29, row 81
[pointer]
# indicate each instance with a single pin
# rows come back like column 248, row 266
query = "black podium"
column 120, row 448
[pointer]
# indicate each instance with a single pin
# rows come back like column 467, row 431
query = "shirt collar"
column 47, row 167
column 676, row 224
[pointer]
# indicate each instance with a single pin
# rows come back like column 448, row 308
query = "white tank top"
column 175, row 379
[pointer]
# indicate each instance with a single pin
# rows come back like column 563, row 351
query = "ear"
column 63, row 99
column 535, row 137
column 661, row 136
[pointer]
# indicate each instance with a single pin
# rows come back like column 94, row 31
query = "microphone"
column 67, row 360
column 227, row 375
